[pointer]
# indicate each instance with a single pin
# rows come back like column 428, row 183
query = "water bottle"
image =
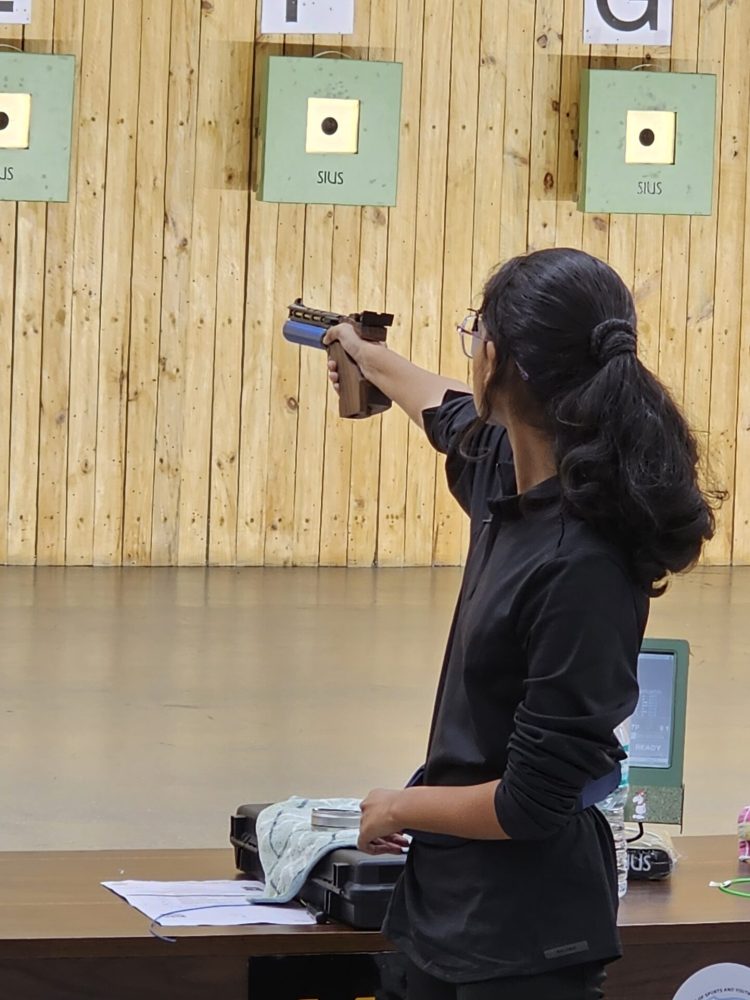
column 613, row 807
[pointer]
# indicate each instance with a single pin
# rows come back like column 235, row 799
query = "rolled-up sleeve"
column 445, row 424
column 580, row 624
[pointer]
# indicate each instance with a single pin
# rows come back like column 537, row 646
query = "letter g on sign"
column 617, row 22
column 650, row 16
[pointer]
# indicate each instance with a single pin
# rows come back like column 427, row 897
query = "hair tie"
column 612, row 338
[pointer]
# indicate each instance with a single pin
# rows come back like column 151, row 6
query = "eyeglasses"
column 470, row 334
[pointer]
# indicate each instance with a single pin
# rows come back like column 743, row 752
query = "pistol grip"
column 358, row 398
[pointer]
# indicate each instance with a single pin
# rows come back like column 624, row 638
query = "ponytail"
column 628, row 463
column 627, row 460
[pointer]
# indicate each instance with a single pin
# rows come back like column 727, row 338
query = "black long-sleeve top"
column 539, row 669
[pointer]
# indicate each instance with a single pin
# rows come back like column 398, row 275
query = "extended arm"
column 412, row 388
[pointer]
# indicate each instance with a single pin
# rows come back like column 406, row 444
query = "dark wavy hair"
column 564, row 328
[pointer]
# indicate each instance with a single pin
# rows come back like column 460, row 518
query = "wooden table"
column 63, row 937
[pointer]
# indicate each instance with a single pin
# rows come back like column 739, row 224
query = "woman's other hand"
column 379, row 833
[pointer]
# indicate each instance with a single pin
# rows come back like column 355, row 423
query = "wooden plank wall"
column 152, row 414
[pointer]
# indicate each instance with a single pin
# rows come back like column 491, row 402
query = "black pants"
column 581, row 982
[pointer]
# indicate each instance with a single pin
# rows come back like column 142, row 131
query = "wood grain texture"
column 198, row 337
column 56, row 335
column 287, row 376
column 366, row 444
column 399, row 289
column 313, row 373
column 150, row 412
column 227, row 380
column 448, row 539
column 545, row 124
column 146, row 283
column 10, row 390
column 676, row 251
column 259, row 337
column 27, row 355
column 427, row 319
column 703, row 237
column 597, row 225
column 722, row 428
column 344, row 294
column 234, row 181
column 337, row 457
column 88, row 262
column 114, row 342
column 517, row 136
column 175, row 301
column 569, row 219
column 30, row 237
column 623, row 228
column 284, row 400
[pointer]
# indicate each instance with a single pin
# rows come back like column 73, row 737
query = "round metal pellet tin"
column 335, row 819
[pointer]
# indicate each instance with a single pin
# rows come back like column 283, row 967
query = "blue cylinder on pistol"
column 305, row 326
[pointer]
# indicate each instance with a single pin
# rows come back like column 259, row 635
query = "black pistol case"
column 346, row 885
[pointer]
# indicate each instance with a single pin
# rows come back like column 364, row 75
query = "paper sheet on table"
column 223, row 903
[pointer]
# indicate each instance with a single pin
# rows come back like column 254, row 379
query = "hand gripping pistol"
column 357, row 397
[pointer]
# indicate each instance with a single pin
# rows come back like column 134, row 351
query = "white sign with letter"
column 627, row 22
column 717, row 982
column 307, row 17
column 15, row 11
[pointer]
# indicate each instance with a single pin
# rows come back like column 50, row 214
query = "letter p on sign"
column 627, row 22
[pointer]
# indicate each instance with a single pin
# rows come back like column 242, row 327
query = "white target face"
column 332, row 126
column 15, row 121
column 307, row 17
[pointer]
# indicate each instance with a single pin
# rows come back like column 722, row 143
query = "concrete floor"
column 139, row 707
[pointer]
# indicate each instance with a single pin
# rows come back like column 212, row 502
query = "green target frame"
column 40, row 88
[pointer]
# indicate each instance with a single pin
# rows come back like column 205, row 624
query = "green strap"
column 726, row 887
